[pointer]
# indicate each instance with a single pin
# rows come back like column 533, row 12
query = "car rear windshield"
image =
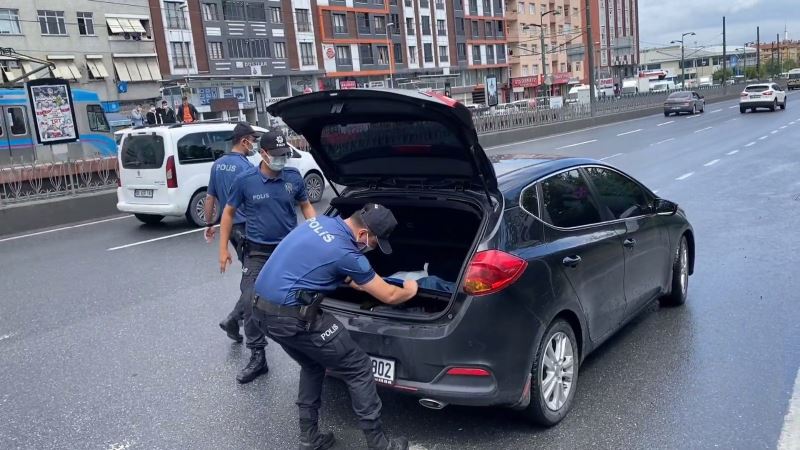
column 759, row 88
column 143, row 152
column 680, row 95
column 385, row 139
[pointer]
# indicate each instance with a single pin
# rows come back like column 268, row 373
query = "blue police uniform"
column 223, row 172
column 318, row 256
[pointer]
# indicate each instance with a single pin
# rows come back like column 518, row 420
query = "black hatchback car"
column 526, row 264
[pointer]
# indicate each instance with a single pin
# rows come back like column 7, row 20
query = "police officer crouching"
column 313, row 259
column 267, row 195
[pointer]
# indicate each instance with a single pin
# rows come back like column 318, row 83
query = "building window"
column 303, row 20
column 175, row 17
column 500, row 28
column 259, row 48
column 256, row 12
column 233, row 11
column 379, row 2
column 521, row 8
column 462, row 51
column 238, row 48
column 532, row 8
column 426, row 26
column 525, row 71
column 210, row 12
column 215, row 50
column 365, row 54
column 439, row 4
column 424, row 4
column 443, row 57
column 181, row 55
column 307, row 53
column 427, row 50
column 280, row 50
column 476, row 54
column 275, row 14
column 52, row 23
column 412, row 54
column 490, row 54
column 487, row 7
column 380, row 24
column 410, row 30
column 460, row 26
column 395, row 21
column 476, row 33
column 85, row 24
column 343, row 56
column 457, row 5
column 383, row 55
column 397, row 49
column 487, row 28
column 501, row 52
column 340, row 23
column 441, row 28
column 9, row 21
column 363, row 23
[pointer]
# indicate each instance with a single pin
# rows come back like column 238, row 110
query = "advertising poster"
column 491, row 91
column 53, row 111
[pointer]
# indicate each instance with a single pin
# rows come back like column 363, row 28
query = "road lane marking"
column 716, row 111
column 711, row 163
column 665, row 123
column 731, row 107
column 169, row 236
column 703, row 129
column 762, row 138
column 665, row 140
column 692, row 117
column 750, row 144
column 39, row 233
column 612, row 156
column 630, row 132
column 684, row 176
column 575, row 145
column 790, row 433
column 732, row 152
column 7, row 336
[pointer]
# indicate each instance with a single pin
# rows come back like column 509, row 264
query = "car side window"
column 567, row 201
column 529, row 200
column 220, row 142
column 622, row 196
column 194, row 148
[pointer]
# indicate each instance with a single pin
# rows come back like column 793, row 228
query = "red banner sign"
column 526, row 82
column 561, row 77
column 347, row 84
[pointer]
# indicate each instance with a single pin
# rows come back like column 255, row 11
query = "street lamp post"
column 390, row 44
column 541, row 43
column 683, row 63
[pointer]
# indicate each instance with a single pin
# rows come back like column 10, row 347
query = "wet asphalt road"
column 120, row 349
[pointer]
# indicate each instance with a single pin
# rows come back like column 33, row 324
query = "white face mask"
column 364, row 247
column 277, row 163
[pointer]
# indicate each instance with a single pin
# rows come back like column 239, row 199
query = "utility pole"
column 758, row 52
column 541, row 38
column 590, row 49
column 724, row 54
column 683, row 60
column 745, row 61
column 778, row 43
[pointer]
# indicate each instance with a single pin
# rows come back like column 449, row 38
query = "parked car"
column 164, row 170
column 793, row 79
column 684, row 101
column 762, row 95
column 526, row 264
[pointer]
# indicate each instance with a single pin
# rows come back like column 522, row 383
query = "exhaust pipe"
column 432, row 404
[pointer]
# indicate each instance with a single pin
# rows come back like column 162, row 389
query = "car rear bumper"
column 678, row 109
column 757, row 103
column 168, row 209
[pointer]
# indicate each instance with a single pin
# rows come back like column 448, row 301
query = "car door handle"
column 571, row 261
column 629, row 243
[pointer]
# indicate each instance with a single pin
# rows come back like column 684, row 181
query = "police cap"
column 381, row 222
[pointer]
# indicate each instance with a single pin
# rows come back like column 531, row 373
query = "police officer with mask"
column 223, row 172
column 267, row 196
column 314, row 259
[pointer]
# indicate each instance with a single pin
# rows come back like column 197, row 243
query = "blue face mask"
column 277, row 163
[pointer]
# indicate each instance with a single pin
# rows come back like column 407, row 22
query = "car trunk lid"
column 143, row 174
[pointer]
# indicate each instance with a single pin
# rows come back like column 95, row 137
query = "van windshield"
column 794, row 76
column 142, row 152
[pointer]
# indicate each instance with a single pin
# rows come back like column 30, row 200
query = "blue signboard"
column 207, row 94
column 111, row 107
column 122, row 87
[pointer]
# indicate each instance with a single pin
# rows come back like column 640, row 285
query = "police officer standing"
column 316, row 258
column 267, row 195
column 223, row 172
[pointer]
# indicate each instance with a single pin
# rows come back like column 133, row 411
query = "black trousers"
column 237, row 240
column 327, row 345
column 254, row 260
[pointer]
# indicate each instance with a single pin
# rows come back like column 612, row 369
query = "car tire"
column 315, row 186
column 774, row 105
column 742, row 109
column 694, row 109
column 703, row 109
column 680, row 276
column 195, row 213
column 783, row 105
column 547, row 410
column 149, row 219
column 666, row 114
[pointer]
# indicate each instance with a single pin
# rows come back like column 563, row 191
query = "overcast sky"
column 661, row 21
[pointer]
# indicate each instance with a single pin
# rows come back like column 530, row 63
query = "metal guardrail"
column 39, row 181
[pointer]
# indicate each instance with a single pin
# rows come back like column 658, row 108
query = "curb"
column 57, row 211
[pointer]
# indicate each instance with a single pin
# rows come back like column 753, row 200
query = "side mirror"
column 665, row 207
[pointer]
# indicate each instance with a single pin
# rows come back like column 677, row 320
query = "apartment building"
column 554, row 29
column 107, row 50
column 615, row 34
column 179, row 38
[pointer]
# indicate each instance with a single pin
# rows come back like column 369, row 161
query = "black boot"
column 231, row 327
column 376, row 440
column 257, row 366
column 312, row 439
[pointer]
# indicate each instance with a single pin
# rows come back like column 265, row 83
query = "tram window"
column 97, row 118
column 16, row 115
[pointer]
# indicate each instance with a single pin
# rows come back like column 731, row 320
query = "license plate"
column 676, row 107
column 755, row 96
column 383, row 370
column 143, row 193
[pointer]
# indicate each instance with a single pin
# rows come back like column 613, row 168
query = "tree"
column 789, row 64
column 752, row 74
column 772, row 67
column 718, row 75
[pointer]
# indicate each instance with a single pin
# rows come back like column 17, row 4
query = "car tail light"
column 491, row 271
column 744, row 94
column 172, row 177
column 767, row 93
column 468, row 372
column 119, row 175
column 687, row 104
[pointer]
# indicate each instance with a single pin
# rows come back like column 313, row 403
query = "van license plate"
column 143, row 193
column 383, row 370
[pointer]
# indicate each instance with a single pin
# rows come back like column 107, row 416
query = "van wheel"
column 315, row 186
column 196, row 214
column 149, row 219
column 680, row 277
column 554, row 375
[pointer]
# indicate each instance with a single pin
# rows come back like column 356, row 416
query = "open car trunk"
column 433, row 242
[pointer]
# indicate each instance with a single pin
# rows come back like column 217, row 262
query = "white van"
column 164, row 170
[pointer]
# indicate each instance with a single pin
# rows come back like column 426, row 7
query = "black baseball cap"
column 242, row 129
column 274, row 143
column 381, row 222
